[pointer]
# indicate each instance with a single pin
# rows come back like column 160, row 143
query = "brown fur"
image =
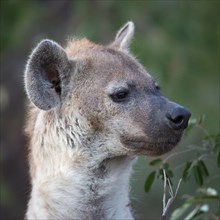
column 94, row 108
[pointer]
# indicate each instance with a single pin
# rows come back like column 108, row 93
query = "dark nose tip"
column 178, row 118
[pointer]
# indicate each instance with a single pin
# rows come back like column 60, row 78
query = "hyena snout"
column 177, row 117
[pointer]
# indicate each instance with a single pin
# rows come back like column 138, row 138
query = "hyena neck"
column 101, row 193
column 64, row 187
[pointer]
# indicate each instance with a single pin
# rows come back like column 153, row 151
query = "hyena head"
column 104, row 91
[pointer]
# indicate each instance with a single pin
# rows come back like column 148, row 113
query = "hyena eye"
column 119, row 96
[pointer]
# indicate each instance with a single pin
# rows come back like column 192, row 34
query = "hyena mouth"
column 143, row 146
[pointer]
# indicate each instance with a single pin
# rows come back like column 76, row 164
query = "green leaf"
column 217, row 150
column 204, row 208
column 198, row 175
column 160, row 174
column 149, row 181
column 203, row 168
column 169, row 173
column 165, row 166
column 154, row 162
column 211, row 191
column 217, row 141
column 218, row 159
column 217, row 147
column 177, row 213
column 204, row 199
column 186, row 172
column 195, row 214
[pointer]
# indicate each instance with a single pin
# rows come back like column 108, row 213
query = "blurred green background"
column 177, row 41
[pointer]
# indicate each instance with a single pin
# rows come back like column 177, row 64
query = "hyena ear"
column 46, row 74
column 124, row 36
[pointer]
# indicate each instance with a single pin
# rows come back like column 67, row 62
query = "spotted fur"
column 83, row 138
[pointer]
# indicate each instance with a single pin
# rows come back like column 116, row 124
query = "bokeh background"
column 177, row 41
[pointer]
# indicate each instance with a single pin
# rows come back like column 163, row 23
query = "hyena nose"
column 178, row 118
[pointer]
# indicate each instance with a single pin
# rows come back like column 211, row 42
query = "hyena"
column 93, row 110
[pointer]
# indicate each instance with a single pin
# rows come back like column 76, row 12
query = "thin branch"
column 164, row 189
column 166, row 206
column 170, row 187
column 178, row 186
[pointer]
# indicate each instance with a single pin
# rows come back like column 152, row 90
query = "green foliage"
column 198, row 175
column 154, row 162
column 186, row 171
column 194, row 206
column 149, row 181
column 198, row 206
column 216, row 139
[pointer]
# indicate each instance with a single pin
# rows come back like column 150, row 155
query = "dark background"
column 177, row 41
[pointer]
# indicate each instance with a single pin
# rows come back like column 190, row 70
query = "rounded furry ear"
column 124, row 36
column 47, row 66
